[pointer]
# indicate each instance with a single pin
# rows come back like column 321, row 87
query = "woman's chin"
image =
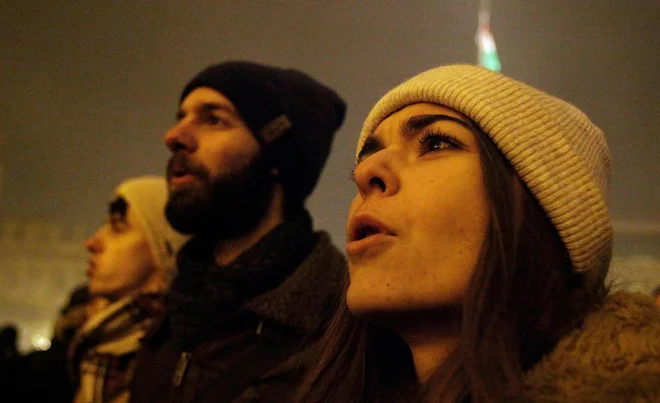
column 369, row 305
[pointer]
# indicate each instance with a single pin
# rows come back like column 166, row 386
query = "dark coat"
column 257, row 358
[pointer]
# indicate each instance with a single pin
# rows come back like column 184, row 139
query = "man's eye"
column 213, row 120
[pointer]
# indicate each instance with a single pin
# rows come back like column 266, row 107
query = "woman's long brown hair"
column 522, row 298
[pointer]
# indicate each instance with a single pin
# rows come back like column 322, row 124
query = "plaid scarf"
column 206, row 297
column 102, row 353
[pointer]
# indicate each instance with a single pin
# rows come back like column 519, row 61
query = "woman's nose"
column 376, row 176
column 92, row 244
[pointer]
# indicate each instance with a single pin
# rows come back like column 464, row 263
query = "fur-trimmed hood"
column 613, row 357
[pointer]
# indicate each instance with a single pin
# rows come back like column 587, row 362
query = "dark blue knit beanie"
column 292, row 116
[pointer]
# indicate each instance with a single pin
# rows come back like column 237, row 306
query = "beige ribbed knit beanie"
column 556, row 150
column 147, row 196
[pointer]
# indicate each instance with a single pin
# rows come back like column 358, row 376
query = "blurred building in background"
column 40, row 264
column 636, row 262
column 640, row 273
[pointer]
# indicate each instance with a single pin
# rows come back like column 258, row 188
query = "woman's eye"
column 115, row 227
column 351, row 176
column 432, row 142
column 117, row 223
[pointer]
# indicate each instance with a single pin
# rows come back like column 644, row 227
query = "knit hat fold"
column 562, row 157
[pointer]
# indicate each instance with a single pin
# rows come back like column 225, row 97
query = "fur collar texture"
column 613, row 357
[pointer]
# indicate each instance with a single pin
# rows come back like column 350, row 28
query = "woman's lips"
column 365, row 233
column 354, row 248
column 90, row 269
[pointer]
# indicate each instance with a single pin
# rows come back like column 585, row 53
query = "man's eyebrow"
column 416, row 123
column 207, row 107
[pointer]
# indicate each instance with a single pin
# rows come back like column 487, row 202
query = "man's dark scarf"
column 206, row 297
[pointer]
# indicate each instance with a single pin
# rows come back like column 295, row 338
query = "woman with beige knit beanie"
column 131, row 265
column 478, row 244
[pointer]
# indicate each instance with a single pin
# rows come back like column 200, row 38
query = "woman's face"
column 419, row 218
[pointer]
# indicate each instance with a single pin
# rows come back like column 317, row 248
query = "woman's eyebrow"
column 409, row 128
column 118, row 206
column 414, row 124
column 371, row 145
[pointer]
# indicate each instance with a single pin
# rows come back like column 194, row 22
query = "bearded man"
column 256, row 284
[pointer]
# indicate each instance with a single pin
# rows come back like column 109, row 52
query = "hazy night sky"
column 87, row 89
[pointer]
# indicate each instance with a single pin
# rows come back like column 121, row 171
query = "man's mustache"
column 179, row 165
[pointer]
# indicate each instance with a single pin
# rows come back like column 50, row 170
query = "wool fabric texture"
column 206, row 297
column 560, row 155
column 292, row 116
column 147, row 196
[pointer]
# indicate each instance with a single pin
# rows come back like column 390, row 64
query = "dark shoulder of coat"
column 264, row 366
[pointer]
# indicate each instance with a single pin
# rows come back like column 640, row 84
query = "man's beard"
column 227, row 206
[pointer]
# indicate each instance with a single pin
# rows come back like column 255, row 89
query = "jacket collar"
column 306, row 299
